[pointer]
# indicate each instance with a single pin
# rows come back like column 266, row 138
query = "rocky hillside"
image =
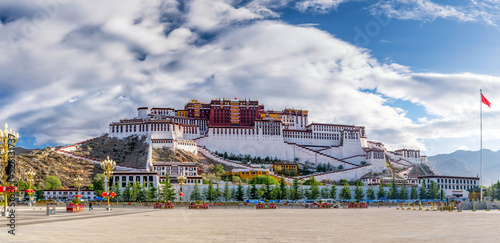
column 47, row 162
column 168, row 155
column 130, row 151
column 420, row 170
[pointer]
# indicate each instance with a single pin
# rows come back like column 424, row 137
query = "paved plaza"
column 251, row 225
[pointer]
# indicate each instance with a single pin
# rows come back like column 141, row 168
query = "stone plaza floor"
column 251, row 225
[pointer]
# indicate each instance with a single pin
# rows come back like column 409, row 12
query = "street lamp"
column 30, row 175
column 78, row 182
column 108, row 165
column 8, row 140
column 181, row 180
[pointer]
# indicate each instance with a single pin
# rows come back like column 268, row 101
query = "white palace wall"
column 313, row 157
column 350, row 174
column 336, row 151
column 254, row 144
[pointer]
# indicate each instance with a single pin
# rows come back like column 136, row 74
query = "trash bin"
column 51, row 210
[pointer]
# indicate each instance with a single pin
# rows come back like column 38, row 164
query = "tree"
column 423, row 190
column 218, row 193
column 370, row 193
column 136, row 192
column 260, row 180
column 233, row 194
column 98, row 183
column 219, row 170
column 403, row 194
column 210, row 192
column 227, row 193
column 283, row 191
column 324, row 192
column 143, row 193
column 152, row 194
column 314, row 189
column 267, row 189
column 312, row 181
column 275, row 192
column 343, row 181
column 239, row 193
column 168, row 193
column 333, row 191
column 433, row 191
column 381, row 191
column 295, row 189
column 52, row 183
column 39, row 193
column 127, row 193
column 253, row 191
column 414, row 194
column 358, row 183
column 393, row 192
column 116, row 189
column 345, row 192
column 21, row 185
column 196, row 194
column 358, row 193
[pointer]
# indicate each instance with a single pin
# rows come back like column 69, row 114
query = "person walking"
column 90, row 206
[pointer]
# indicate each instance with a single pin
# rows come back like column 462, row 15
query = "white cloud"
column 75, row 75
column 319, row 6
column 427, row 10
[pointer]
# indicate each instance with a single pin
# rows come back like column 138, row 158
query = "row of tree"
column 247, row 158
column 272, row 191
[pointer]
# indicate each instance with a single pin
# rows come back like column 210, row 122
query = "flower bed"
column 163, row 205
column 72, row 208
column 325, row 205
column 357, row 205
column 265, row 206
column 198, row 206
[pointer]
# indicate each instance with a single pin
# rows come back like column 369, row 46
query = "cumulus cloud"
column 89, row 64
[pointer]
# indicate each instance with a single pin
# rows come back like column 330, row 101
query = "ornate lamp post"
column 181, row 180
column 108, row 165
column 8, row 140
column 30, row 175
column 78, row 182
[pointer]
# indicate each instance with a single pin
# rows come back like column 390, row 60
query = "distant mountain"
column 467, row 163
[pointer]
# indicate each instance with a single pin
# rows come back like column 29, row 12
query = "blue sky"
column 442, row 45
column 408, row 70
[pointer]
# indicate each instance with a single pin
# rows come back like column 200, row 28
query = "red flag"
column 485, row 101
column 236, row 98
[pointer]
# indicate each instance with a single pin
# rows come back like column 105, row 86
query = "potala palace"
column 242, row 126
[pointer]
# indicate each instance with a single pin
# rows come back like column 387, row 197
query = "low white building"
column 456, row 186
column 375, row 181
column 146, row 179
column 68, row 194
column 175, row 169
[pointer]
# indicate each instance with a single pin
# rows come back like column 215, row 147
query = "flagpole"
column 481, row 126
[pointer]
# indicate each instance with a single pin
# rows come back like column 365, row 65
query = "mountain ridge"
column 467, row 163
